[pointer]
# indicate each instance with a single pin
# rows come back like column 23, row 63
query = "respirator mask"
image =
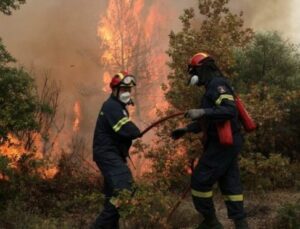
column 125, row 97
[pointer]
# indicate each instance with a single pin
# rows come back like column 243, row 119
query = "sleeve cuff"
column 208, row 111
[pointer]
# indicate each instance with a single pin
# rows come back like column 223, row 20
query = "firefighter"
column 219, row 163
column 113, row 137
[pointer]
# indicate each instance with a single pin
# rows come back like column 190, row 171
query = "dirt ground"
column 261, row 209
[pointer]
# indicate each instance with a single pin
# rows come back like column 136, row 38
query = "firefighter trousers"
column 218, row 164
column 115, row 180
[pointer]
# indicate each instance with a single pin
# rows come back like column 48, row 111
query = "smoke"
column 271, row 15
column 61, row 36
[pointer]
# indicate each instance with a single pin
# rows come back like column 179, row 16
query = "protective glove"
column 178, row 133
column 194, row 114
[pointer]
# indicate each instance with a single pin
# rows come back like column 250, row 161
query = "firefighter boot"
column 210, row 222
column 106, row 226
column 241, row 224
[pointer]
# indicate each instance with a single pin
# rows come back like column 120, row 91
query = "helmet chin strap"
column 118, row 92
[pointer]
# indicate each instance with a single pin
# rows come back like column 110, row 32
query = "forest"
column 47, row 176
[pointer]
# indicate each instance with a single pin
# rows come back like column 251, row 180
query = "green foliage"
column 18, row 177
column 5, row 170
column 268, row 60
column 261, row 173
column 26, row 193
column 6, row 6
column 218, row 31
column 288, row 216
column 18, row 102
column 22, row 109
column 147, row 208
column 17, row 215
column 5, row 173
column 5, row 57
column 269, row 80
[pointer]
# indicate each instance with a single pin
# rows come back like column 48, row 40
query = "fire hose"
column 144, row 132
column 173, row 209
column 161, row 121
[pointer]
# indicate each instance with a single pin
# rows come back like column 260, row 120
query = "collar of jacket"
column 210, row 79
column 116, row 99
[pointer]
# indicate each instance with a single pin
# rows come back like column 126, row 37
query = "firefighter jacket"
column 114, row 131
column 219, row 105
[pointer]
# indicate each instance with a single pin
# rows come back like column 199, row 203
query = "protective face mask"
column 194, row 80
column 125, row 97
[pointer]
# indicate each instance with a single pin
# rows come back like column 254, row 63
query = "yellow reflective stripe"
column 224, row 96
column 234, row 198
column 202, row 194
column 121, row 123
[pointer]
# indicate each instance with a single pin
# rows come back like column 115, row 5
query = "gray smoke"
column 61, row 36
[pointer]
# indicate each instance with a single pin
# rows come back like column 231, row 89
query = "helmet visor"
column 128, row 81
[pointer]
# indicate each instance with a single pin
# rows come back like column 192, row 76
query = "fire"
column 48, row 173
column 77, row 114
column 154, row 18
column 134, row 37
column 14, row 149
column 131, row 32
column 106, row 81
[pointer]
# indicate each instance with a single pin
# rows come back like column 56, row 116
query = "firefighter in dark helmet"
column 113, row 137
column 219, row 163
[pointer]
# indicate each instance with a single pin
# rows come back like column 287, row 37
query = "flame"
column 48, row 173
column 77, row 114
column 134, row 35
column 154, row 18
column 14, row 149
column 128, row 27
column 106, row 81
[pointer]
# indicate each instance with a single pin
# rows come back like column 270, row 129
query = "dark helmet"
column 201, row 68
column 122, row 79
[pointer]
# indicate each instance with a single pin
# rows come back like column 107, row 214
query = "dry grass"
column 261, row 209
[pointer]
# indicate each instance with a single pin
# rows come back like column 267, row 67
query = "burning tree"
column 45, row 116
column 128, row 36
column 26, row 116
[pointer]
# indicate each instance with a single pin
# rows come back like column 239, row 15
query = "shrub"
column 288, row 216
column 267, row 173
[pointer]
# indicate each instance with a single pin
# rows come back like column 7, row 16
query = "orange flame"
column 77, row 114
column 106, row 81
column 14, row 149
column 132, row 32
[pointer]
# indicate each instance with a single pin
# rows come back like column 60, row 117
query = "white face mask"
column 125, row 97
column 194, row 80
